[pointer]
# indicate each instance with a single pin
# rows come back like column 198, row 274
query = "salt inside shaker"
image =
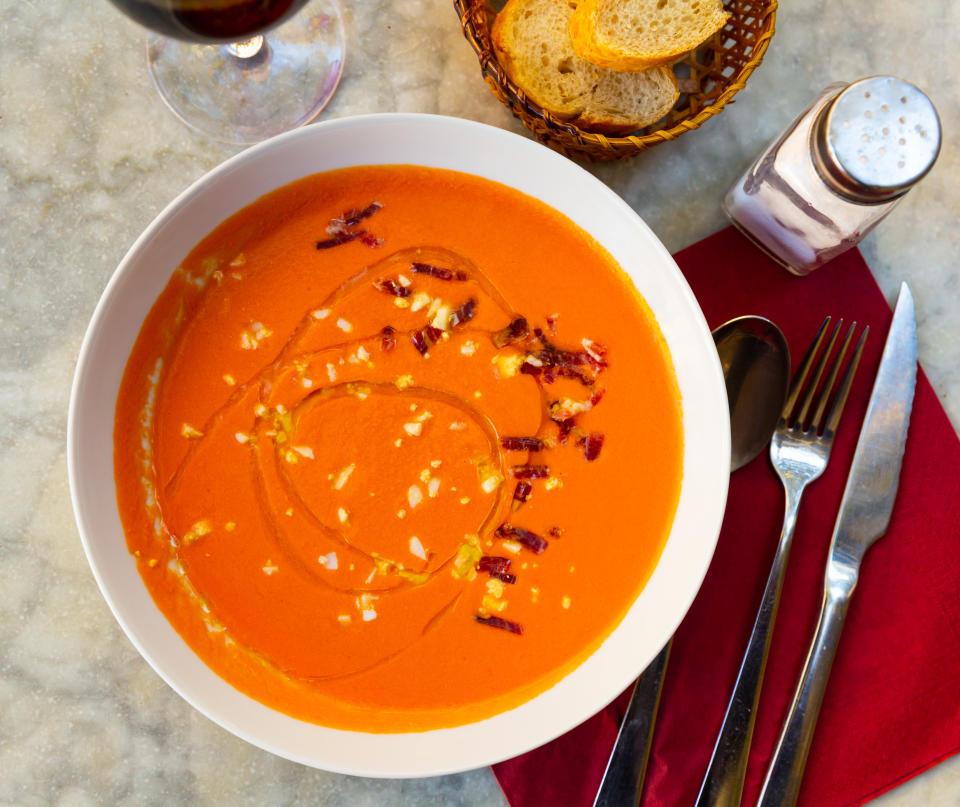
column 836, row 172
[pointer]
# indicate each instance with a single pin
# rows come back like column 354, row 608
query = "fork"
column 799, row 452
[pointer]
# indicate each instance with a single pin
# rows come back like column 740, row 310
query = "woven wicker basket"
column 708, row 79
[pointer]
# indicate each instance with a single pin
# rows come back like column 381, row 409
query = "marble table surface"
column 89, row 155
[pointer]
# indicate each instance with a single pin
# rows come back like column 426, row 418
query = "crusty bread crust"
column 630, row 35
column 532, row 42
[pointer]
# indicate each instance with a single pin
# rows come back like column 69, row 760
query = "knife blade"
column 874, row 476
column 864, row 516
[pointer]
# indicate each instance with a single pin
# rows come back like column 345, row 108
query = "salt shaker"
column 836, row 172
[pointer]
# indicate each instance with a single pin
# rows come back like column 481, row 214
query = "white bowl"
column 445, row 143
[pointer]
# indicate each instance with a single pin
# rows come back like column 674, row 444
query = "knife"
column 864, row 516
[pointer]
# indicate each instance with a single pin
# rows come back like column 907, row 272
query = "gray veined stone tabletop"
column 89, row 155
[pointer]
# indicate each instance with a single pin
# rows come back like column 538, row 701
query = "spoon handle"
column 622, row 782
column 723, row 783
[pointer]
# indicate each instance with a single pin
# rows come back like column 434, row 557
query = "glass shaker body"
column 790, row 205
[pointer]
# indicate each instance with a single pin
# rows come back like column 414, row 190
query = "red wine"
column 209, row 20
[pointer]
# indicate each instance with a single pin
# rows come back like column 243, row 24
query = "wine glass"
column 240, row 85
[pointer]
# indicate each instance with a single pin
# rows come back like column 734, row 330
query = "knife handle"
column 781, row 787
column 622, row 783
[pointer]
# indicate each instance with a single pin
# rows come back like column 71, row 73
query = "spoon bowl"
column 756, row 369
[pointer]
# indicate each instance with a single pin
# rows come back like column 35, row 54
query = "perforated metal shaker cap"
column 876, row 139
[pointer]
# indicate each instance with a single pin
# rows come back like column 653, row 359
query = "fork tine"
column 818, row 374
column 816, row 421
column 796, row 386
column 846, row 382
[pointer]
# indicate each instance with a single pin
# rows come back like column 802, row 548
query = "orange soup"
column 397, row 448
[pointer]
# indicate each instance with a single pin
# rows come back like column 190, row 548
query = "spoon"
column 756, row 371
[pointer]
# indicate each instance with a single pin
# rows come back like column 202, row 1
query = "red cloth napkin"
column 892, row 706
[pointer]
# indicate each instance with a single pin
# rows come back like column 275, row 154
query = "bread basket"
column 708, row 78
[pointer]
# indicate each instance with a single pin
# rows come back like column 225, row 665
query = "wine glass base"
column 241, row 94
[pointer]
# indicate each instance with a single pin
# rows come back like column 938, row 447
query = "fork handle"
column 723, row 783
column 781, row 786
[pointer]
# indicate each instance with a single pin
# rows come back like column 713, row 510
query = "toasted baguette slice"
column 532, row 42
column 640, row 34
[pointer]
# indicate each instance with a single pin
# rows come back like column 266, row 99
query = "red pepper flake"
column 592, row 445
column 552, row 324
column 555, row 532
column 464, row 313
column 438, row 272
column 521, row 443
column 388, row 286
column 566, row 426
column 504, row 577
column 530, row 471
column 597, row 397
column 493, row 563
column 521, row 493
column 503, row 624
column 340, row 238
column 514, row 332
column 388, row 339
column 370, row 240
column 530, row 540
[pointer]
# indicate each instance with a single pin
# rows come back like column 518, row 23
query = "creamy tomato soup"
column 397, row 448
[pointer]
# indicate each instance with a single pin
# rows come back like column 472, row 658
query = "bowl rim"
column 439, row 751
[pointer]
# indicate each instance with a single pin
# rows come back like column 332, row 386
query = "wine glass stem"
column 246, row 49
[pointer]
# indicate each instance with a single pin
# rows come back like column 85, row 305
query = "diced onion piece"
column 343, row 476
column 414, row 496
column 416, row 548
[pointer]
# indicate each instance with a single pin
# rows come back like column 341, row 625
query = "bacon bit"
column 566, row 426
column 521, row 443
column 555, row 532
column 504, row 577
column 341, row 232
column 530, row 471
column 597, row 397
column 595, row 350
column 521, row 493
column 503, row 624
column 388, row 340
column 388, row 286
column 425, row 338
column 420, row 342
column 592, row 445
column 353, row 217
column 530, row 540
column 438, row 272
column 514, row 332
column 493, row 563
column 340, row 238
column 464, row 313
column 552, row 324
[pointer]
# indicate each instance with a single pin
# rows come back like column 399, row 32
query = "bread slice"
column 532, row 42
column 640, row 34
